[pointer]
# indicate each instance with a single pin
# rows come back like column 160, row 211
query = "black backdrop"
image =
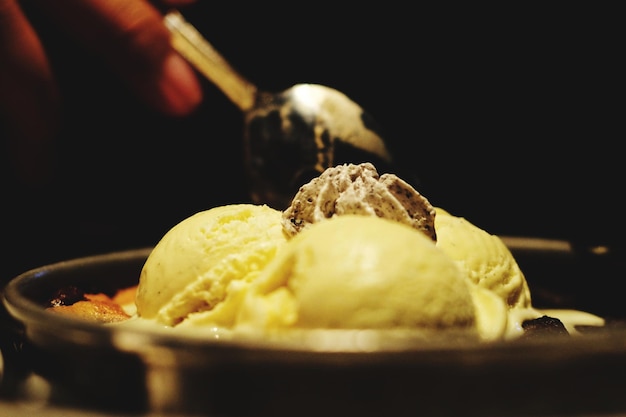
column 511, row 118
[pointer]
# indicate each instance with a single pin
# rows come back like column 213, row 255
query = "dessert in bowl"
column 345, row 302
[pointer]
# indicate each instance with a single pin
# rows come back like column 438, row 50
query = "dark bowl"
column 114, row 368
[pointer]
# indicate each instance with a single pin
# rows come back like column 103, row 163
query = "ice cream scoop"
column 489, row 264
column 194, row 266
column 292, row 136
column 484, row 257
column 360, row 272
column 358, row 189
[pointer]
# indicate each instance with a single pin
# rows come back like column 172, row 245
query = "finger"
column 30, row 102
column 132, row 39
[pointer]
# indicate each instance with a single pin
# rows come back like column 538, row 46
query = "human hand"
column 129, row 36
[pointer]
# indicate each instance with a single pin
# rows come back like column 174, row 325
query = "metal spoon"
column 289, row 137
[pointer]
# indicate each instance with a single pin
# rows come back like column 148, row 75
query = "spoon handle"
column 200, row 53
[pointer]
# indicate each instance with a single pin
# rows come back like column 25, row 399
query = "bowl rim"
column 39, row 324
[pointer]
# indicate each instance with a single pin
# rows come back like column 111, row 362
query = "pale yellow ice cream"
column 484, row 257
column 346, row 272
column 359, row 272
column 488, row 263
column 194, row 266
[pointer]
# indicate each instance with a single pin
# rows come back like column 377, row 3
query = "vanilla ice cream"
column 194, row 265
column 357, row 272
column 488, row 263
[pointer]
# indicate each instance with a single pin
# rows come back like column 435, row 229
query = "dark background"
column 511, row 118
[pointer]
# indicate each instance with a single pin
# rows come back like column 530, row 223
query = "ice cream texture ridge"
column 355, row 250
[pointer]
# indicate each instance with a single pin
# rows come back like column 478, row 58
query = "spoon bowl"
column 289, row 137
column 292, row 137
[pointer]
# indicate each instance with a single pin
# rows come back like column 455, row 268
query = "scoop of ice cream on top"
column 358, row 189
